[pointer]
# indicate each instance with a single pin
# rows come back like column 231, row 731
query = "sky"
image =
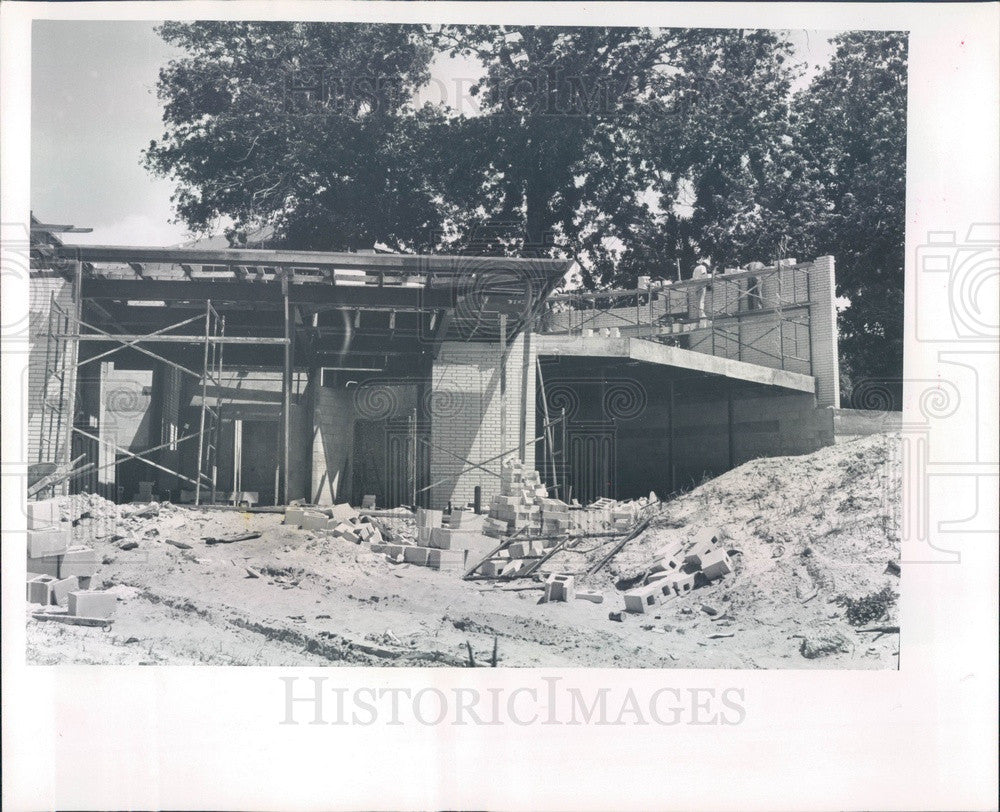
column 94, row 109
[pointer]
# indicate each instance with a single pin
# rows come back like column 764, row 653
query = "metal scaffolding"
column 66, row 330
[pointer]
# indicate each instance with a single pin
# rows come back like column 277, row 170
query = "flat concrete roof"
column 652, row 352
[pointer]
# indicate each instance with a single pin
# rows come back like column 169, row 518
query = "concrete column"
column 823, row 332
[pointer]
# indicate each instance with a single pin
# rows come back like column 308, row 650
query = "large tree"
column 851, row 134
column 305, row 129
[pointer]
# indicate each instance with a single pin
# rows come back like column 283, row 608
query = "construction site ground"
column 804, row 533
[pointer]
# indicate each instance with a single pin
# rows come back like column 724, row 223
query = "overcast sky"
column 94, row 109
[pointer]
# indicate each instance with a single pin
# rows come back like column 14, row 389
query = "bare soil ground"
column 804, row 533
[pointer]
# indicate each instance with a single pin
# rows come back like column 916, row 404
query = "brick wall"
column 466, row 415
column 42, row 289
column 823, row 332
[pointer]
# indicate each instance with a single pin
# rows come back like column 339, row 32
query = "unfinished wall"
column 42, row 288
column 383, row 404
column 793, row 324
column 465, row 416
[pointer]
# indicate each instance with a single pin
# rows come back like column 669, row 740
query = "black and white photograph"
column 486, row 341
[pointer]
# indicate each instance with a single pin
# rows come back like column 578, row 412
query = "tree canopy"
column 632, row 150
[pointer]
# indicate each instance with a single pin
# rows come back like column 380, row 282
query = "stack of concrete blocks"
column 55, row 566
column 519, row 503
column 555, row 516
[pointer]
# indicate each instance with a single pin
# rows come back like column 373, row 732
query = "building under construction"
column 266, row 376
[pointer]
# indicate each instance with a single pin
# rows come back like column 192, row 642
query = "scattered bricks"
column 684, row 583
column 375, row 536
column 446, row 560
column 416, row 555
column 428, row 518
column 92, row 604
column 346, row 531
column 590, row 595
column 60, row 589
column 40, row 589
column 711, row 611
column 49, row 565
column 424, row 534
column 643, row 599
column 343, row 512
column 441, row 538
column 314, row 520
column 364, row 531
column 559, row 587
column 43, row 543
column 79, row 561
column 716, row 564
column 43, row 515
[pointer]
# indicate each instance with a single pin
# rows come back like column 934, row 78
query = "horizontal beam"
column 264, row 293
column 652, row 352
column 175, row 339
column 422, row 263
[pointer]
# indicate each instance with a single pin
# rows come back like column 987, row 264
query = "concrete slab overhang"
column 652, row 352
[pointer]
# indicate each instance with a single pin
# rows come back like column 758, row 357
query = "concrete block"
column 428, row 518
column 345, row 531
column 314, row 520
column 424, row 534
column 39, row 589
column 60, row 589
column 684, row 583
column 490, row 569
column 375, row 537
column 416, row 555
column 716, row 564
column 368, row 501
column 294, row 516
column 519, row 549
column 394, row 550
column 440, row 538
column 44, row 515
column 79, row 561
column 590, row 595
column 559, row 587
column 665, row 565
column 447, row 560
column 343, row 512
column 92, row 604
column 42, row 543
column 514, row 566
column 643, row 599
column 48, row 565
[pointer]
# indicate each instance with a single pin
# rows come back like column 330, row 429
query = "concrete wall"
column 807, row 338
column 465, row 415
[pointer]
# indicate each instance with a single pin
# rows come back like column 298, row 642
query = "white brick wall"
column 466, row 420
column 823, row 332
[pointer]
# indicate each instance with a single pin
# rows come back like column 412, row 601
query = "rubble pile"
column 59, row 570
column 678, row 568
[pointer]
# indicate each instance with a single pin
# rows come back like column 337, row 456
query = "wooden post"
column 503, row 387
column 204, row 396
column 71, row 367
column 286, row 394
